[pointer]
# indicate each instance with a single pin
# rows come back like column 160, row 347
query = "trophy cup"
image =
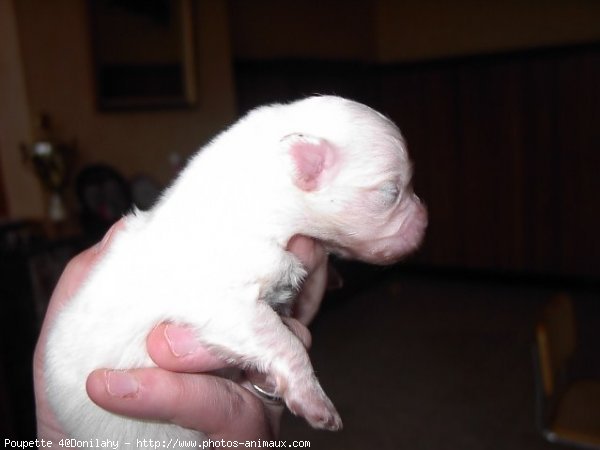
column 49, row 159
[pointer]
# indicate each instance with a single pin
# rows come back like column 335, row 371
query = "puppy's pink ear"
column 313, row 158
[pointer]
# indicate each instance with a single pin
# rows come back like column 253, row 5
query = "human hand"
column 179, row 390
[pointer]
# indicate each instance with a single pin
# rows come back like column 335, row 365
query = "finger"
column 299, row 330
column 311, row 295
column 273, row 409
column 79, row 266
column 216, row 406
column 176, row 348
column 307, row 250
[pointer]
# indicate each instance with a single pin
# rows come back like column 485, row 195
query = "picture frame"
column 143, row 54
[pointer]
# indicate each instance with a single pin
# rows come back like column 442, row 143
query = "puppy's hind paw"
column 316, row 408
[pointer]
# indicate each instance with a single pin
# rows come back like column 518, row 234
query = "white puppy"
column 212, row 254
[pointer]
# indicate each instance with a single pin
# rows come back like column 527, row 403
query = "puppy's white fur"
column 212, row 254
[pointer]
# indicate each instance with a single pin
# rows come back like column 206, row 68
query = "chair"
column 568, row 409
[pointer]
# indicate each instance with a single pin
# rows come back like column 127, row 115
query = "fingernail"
column 120, row 383
column 181, row 340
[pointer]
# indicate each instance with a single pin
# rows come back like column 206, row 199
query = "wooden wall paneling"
column 578, row 124
column 438, row 161
column 541, row 191
column 505, row 132
column 510, row 81
column 487, row 174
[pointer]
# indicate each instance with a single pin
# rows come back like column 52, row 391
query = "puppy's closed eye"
column 388, row 193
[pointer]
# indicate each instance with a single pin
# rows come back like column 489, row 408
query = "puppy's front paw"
column 309, row 401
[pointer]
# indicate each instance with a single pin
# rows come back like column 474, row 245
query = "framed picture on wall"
column 143, row 53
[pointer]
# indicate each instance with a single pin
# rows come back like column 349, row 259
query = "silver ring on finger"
column 270, row 397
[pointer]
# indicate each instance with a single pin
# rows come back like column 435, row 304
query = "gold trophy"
column 49, row 159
